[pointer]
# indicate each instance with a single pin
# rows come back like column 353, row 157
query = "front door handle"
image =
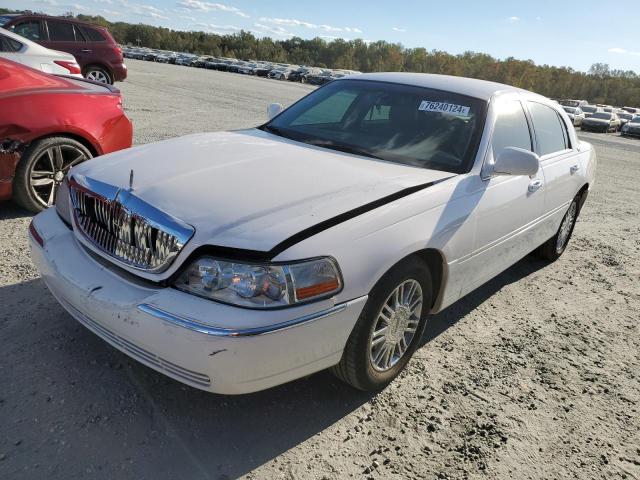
column 86, row 50
column 535, row 185
column 574, row 169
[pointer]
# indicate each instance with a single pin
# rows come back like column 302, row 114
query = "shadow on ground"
column 101, row 414
column 9, row 210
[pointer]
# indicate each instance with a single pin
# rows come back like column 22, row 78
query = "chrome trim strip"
column 191, row 324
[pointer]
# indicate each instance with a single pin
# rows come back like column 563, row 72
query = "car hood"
column 250, row 189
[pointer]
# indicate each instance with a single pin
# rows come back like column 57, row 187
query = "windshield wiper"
column 343, row 148
column 274, row 130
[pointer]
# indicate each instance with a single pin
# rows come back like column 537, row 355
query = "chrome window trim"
column 194, row 325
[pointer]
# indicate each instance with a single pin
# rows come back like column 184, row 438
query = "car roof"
column 472, row 87
column 62, row 19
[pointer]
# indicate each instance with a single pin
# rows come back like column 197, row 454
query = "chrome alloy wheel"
column 395, row 325
column 97, row 76
column 565, row 227
column 49, row 170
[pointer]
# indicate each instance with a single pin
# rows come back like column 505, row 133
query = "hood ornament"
column 131, row 180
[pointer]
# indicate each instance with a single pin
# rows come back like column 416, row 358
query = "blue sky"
column 558, row 32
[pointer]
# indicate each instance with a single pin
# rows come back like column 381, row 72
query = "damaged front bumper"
column 211, row 346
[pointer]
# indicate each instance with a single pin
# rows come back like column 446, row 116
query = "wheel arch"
column 91, row 146
column 583, row 192
column 437, row 264
column 103, row 66
column 435, row 261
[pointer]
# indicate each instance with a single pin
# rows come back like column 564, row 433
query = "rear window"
column 9, row 44
column 61, row 31
column 93, row 35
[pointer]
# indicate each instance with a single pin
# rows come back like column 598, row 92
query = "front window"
column 403, row 124
column 602, row 115
column 589, row 109
column 569, row 109
column 29, row 29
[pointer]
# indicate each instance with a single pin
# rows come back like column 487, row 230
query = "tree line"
column 599, row 85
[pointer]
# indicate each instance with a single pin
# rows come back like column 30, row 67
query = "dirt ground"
column 533, row 376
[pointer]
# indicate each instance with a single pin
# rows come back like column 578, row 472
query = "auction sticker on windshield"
column 429, row 106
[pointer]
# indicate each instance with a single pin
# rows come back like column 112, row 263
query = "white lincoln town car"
column 236, row 261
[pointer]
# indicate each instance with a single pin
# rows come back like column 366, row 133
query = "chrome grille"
column 126, row 228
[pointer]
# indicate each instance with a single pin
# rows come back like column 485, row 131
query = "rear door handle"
column 535, row 185
column 86, row 50
column 574, row 169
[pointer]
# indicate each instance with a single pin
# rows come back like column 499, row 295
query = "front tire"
column 43, row 166
column 556, row 245
column 389, row 328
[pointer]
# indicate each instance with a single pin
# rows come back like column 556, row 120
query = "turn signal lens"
column 34, row 233
column 261, row 285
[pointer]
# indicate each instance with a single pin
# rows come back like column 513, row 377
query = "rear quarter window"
column 93, row 35
column 9, row 45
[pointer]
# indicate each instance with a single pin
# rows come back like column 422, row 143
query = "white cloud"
column 398, row 29
column 277, row 30
column 514, row 19
column 208, row 7
column 143, row 10
column 220, row 29
column 617, row 50
column 110, row 2
column 538, row 18
column 187, row 17
column 293, row 22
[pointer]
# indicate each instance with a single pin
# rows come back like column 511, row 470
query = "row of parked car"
column 273, row 70
column 602, row 118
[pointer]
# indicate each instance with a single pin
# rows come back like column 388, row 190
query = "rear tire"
column 98, row 74
column 377, row 349
column 556, row 245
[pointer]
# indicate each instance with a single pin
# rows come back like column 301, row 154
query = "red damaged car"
column 50, row 123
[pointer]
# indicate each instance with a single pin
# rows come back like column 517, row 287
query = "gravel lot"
column 534, row 375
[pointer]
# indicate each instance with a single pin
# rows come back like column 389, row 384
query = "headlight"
column 261, row 285
column 62, row 202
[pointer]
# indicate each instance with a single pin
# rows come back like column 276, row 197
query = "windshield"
column 626, row 116
column 4, row 19
column 569, row 109
column 403, row 124
column 635, row 119
column 589, row 109
column 602, row 115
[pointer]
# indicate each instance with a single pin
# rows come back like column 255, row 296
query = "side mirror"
column 274, row 109
column 516, row 161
